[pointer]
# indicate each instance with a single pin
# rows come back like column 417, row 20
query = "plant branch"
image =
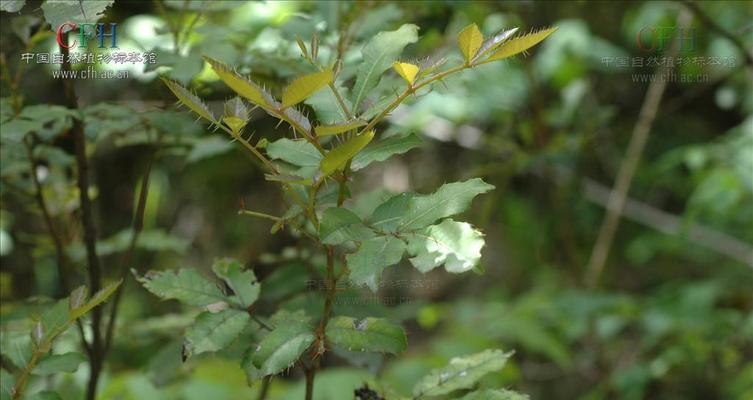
column 629, row 165
column 706, row 19
column 90, row 233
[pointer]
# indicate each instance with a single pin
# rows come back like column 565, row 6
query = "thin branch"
column 90, row 233
column 629, row 165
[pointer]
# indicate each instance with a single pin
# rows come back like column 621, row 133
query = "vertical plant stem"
column 90, row 233
column 629, row 165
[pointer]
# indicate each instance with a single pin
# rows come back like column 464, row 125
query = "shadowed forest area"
column 376, row 200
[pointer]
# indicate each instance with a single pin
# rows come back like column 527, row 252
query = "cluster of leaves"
column 330, row 151
column 31, row 350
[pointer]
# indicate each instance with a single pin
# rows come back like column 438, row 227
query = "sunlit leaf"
column 407, row 70
column 339, row 156
column 448, row 200
column 519, row 44
column 278, row 350
column 469, row 41
column 457, row 245
column 303, row 87
column 460, row 373
column 368, row 334
column 491, row 43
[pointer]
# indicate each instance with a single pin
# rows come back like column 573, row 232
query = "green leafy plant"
column 315, row 169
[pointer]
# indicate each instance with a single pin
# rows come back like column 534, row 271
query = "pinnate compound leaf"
column 214, row 331
column 372, row 257
column 278, row 350
column 339, row 156
column 240, row 84
column 460, row 373
column 185, row 285
column 448, row 200
column 339, row 225
column 378, row 55
column 494, row 394
column 56, row 363
column 457, row 245
column 385, row 149
column 469, row 41
column 328, row 130
column 407, row 70
column 242, row 282
column 519, row 44
column 368, row 334
column 301, row 88
column 189, row 99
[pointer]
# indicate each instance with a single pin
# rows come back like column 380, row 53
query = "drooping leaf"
column 214, row 331
column 384, row 149
column 303, row 87
column 189, row 99
column 494, row 394
column 469, row 41
column 278, row 350
column 378, row 55
column 328, row 130
column 407, row 70
column 339, row 225
column 368, row 334
column 59, row 12
column 243, row 283
column 56, row 363
column 386, row 217
column 185, row 285
column 339, row 156
column 460, row 373
column 448, row 200
column 372, row 257
column 491, row 43
column 519, row 44
column 241, row 85
column 457, row 245
column 296, row 152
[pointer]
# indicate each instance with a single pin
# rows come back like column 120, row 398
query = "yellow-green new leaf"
column 328, row 130
column 239, row 84
column 303, row 87
column 189, row 99
column 235, row 123
column 519, row 44
column 339, row 156
column 407, row 70
column 469, row 40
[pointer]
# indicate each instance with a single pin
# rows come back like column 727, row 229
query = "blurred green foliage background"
column 671, row 319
